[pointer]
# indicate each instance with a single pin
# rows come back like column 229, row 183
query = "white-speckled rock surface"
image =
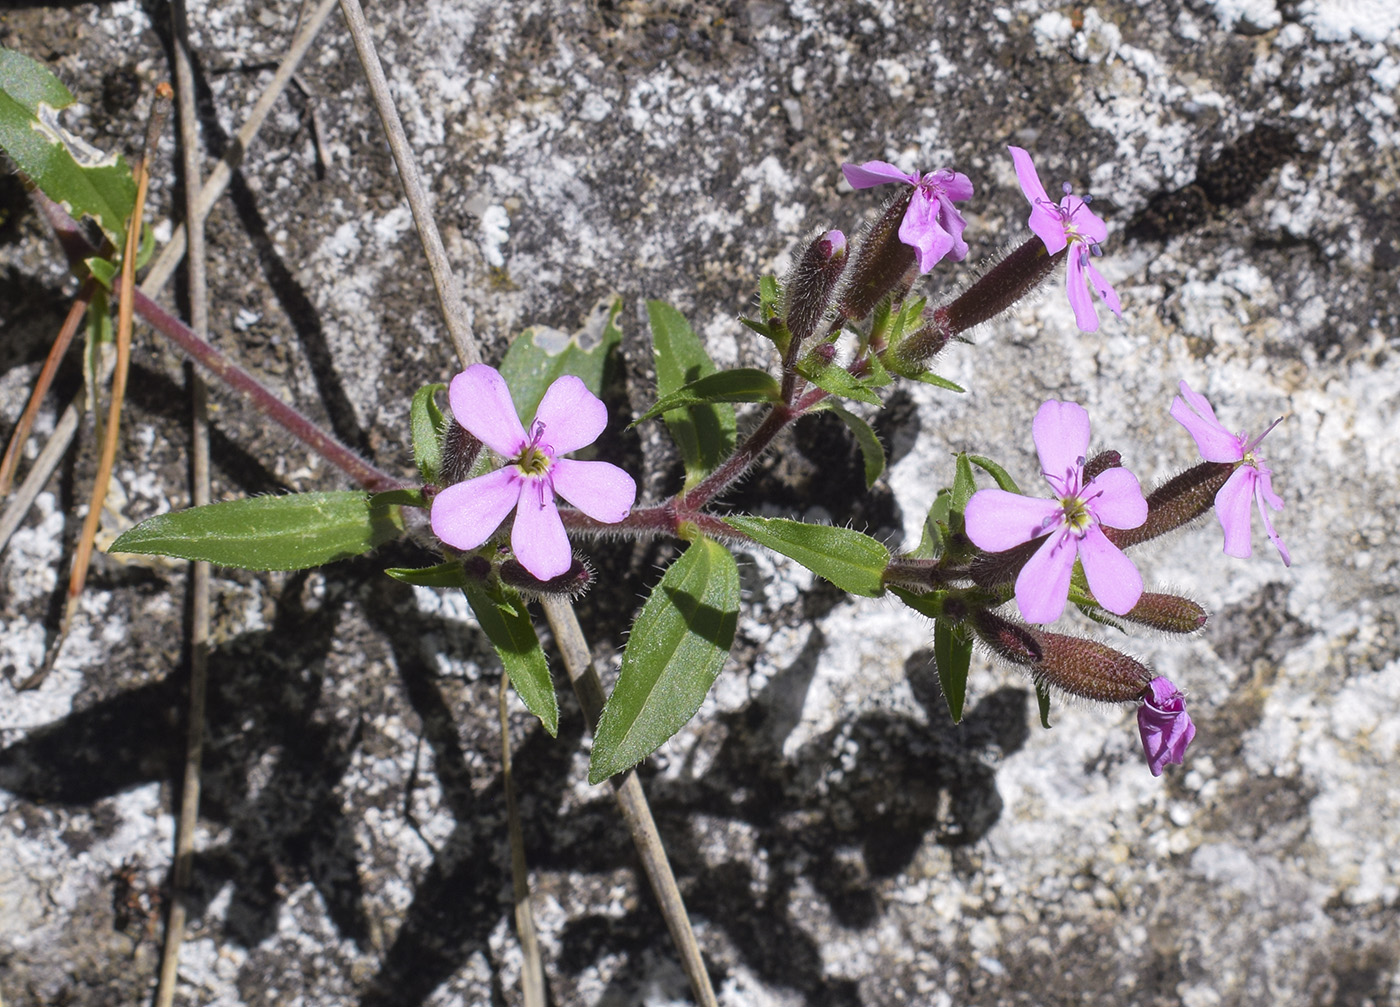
column 839, row 841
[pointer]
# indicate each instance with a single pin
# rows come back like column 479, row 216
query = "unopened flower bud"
column 808, row 290
column 1101, row 463
column 1168, row 613
column 882, row 262
column 1177, row 502
column 1071, row 664
column 917, row 350
column 459, row 451
column 572, row 583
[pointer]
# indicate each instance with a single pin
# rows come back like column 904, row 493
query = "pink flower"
column 997, row 520
column 932, row 225
column 1164, row 725
column 569, row 417
column 1251, row 478
column 1071, row 222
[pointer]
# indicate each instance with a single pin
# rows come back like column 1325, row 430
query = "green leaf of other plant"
column 952, row 653
column 538, row 356
column 744, row 384
column 291, row 532
column 850, row 560
column 506, row 622
column 675, row 651
column 69, row 170
column 429, row 425
column 703, row 433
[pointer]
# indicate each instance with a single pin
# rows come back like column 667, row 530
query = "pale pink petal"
column 481, row 403
column 1115, row 498
column 1084, row 314
column 600, row 489
column 863, row 176
column 957, row 185
column 1105, row 290
column 1061, row 433
column 1232, row 508
column 1045, row 220
column 954, row 223
column 922, row 231
column 573, row 417
column 1112, row 577
column 1264, row 493
column 1085, row 222
column 466, row 514
column 997, row 520
column 1043, row 584
column 1215, row 443
column 538, row 537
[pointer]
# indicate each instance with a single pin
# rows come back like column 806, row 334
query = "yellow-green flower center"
column 532, row 461
column 1077, row 516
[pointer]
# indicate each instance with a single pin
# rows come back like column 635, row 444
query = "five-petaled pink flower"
column 1072, row 223
column 1164, row 725
column 1251, row 478
column 569, row 417
column 997, row 520
column 932, row 225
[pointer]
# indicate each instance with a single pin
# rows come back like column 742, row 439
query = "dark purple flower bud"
column 808, row 289
column 1070, row 664
column 459, row 451
column 1101, row 463
column 882, row 263
column 1168, row 613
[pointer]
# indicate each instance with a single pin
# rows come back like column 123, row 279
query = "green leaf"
column 998, row 473
column 744, row 384
column 871, row 450
column 539, row 356
column 770, row 297
column 1042, row 700
column 934, row 537
column 675, row 651
column 952, row 653
column 69, row 171
column 400, row 498
column 878, row 376
column 929, row 378
column 449, row 574
column 705, row 433
column 850, row 560
column 104, row 271
column 506, row 622
column 929, row 603
column 291, row 532
column 963, row 484
column 429, row 426
column 834, row 379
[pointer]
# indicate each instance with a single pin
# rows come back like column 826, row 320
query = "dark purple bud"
column 826, row 352
column 1168, row 613
column 459, row 451
column 808, row 289
column 1177, row 502
column 917, row 350
column 476, row 567
column 1070, row 664
column 1101, row 463
column 882, row 264
column 572, row 583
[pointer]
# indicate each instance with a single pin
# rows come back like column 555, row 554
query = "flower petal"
column 1043, row 584
column 538, row 537
column 954, row 183
column 922, row 231
column 954, row 223
column 1215, row 443
column 481, row 402
column 1045, row 220
column 573, row 417
column 1105, row 290
column 1112, row 576
column 997, row 520
column 1115, row 498
column 1084, row 314
column 1232, row 508
column 1264, row 493
column 1061, row 432
column 1164, row 725
column 863, row 176
column 600, row 489
column 466, row 514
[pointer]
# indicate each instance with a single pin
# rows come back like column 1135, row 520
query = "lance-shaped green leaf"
column 1042, row 700
column 872, row 452
column 70, row 171
column 935, row 532
column 290, row 532
column 703, row 433
column 449, row 574
column 837, row 380
column 744, row 384
column 674, row 653
column 429, row 425
column 952, row 653
column 963, row 483
column 930, row 603
column 850, row 560
column 539, row 356
column 506, row 622
column 996, row 472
